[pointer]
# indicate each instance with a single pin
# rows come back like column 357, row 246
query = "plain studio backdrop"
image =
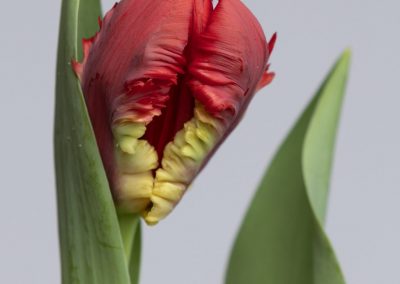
column 192, row 245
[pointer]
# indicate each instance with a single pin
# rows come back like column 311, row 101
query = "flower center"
column 178, row 110
column 153, row 186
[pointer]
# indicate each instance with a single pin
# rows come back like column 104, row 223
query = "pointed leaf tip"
column 91, row 247
column 283, row 228
column 319, row 141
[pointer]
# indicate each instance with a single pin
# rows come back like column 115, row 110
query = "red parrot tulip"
column 165, row 81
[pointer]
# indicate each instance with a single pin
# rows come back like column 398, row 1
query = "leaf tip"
column 345, row 58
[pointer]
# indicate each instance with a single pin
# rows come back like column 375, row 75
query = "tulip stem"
column 128, row 225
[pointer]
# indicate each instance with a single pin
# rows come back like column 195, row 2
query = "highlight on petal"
column 165, row 81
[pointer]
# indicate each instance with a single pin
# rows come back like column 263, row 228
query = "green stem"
column 128, row 225
column 134, row 264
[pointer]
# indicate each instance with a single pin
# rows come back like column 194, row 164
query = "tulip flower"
column 165, row 82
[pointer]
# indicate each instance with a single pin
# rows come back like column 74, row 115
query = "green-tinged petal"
column 282, row 240
column 90, row 241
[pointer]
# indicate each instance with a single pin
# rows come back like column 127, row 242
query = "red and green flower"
column 165, row 82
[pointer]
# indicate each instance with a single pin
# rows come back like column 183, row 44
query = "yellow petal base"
column 154, row 191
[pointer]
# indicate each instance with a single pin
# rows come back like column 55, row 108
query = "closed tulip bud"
column 165, row 82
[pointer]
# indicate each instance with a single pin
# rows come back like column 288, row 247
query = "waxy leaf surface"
column 91, row 246
column 282, row 240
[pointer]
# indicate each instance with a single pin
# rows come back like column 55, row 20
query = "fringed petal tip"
column 271, row 43
column 265, row 80
column 87, row 43
column 268, row 76
column 79, row 66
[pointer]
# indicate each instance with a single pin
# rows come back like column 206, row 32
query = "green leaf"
column 92, row 250
column 282, row 240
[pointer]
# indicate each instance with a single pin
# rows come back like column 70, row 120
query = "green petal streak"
column 91, row 246
column 282, row 240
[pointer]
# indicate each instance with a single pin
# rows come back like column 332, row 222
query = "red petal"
column 180, row 106
column 201, row 15
column 228, row 60
column 271, row 43
column 131, row 66
column 138, row 53
column 266, row 78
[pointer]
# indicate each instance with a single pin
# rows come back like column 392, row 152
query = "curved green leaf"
column 281, row 240
column 91, row 246
column 319, row 141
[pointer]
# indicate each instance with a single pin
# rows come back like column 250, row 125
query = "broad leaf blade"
column 90, row 240
column 281, row 240
column 320, row 138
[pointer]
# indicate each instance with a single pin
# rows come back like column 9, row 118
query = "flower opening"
column 165, row 81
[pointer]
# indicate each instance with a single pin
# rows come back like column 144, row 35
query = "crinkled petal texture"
column 165, row 81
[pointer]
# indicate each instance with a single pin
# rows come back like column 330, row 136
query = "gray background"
column 193, row 244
